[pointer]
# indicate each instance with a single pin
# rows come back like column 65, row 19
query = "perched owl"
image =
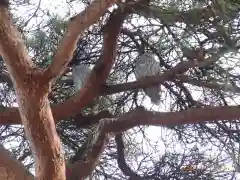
column 146, row 65
column 80, row 75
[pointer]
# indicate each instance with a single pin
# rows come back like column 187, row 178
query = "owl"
column 80, row 74
column 146, row 65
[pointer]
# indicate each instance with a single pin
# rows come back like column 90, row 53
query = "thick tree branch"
column 99, row 73
column 11, row 169
column 149, row 81
column 32, row 98
column 76, row 27
column 167, row 76
column 12, row 48
column 82, row 169
column 11, row 116
column 193, row 16
column 193, row 115
column 141, row 116
column 122, row 164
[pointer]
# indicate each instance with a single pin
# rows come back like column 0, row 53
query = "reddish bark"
column 140, row 116
column 76, row 27
column 33, row 86
column 98, row 75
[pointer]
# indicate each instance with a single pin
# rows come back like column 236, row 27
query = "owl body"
column 80, row 75
column 146, row 65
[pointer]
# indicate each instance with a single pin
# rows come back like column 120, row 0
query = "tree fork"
column 32, row 96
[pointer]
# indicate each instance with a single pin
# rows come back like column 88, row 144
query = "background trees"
column 196, row 44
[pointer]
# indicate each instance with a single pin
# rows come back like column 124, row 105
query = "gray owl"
column 80, row 74
column 146, row 65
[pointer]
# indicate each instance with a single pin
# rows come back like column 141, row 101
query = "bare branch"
column 121, row 159
column 193, row 16
column 211, row 85
column 140, row 116
column 149, row 81
column 76, row 27
column 81, row 169
column 11, row 169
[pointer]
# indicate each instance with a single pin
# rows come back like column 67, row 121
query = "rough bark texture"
column 32, row 86
column 98, row 77
column 76, row 27
column 32, row 92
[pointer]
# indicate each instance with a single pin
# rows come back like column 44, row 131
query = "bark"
column 11, row 169
column 122, row 164
column 98, row 75
column 140, row 116
column 76, row 27
column 32, row 86
column 32, row 92
column 81, row 169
